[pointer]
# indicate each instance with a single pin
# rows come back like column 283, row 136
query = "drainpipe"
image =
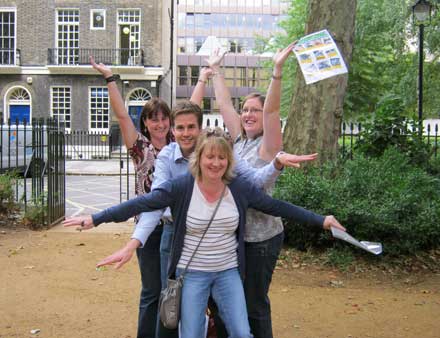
column 171, row 15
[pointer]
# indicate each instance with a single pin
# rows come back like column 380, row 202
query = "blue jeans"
column 166, row 243
column 227, row 290
column 261, row 258
column 149, row 266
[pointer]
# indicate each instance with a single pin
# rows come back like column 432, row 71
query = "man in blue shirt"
column 171, row 162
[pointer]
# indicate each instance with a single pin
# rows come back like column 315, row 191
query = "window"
column 195, row 72
column 181, row 45
column 97, row 19
column 7, row 36
column 183, row 75
column 190, row 21
column 99, row 108
column 206, row 105
column 198, row 43
column 67, row 40
column 61, row 99
column 129, row 21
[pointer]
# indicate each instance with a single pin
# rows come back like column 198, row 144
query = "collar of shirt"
column 178, row 156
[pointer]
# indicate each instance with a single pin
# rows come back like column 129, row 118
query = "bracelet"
column 276, row 77
column 112, row 78
column 202, row 81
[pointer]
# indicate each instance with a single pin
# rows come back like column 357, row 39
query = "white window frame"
column 96, row 129
column 57, row 24
column 14, row 54
column 120, row 22
column 103, row 14
column 52, row 107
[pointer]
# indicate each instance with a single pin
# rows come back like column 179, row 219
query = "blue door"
column 135, row 114
column 21, row 112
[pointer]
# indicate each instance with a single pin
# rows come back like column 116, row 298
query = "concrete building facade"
column 44, row 58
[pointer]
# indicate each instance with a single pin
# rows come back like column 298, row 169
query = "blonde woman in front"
column 218, row 265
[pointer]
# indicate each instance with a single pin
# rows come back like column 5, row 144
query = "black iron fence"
column 351, row 134
column 89, row 145
column 35, row 154
column 80, row 56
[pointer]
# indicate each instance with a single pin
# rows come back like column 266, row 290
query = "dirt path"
column 48, row 282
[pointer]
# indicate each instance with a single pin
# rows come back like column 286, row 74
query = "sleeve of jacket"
column 162, row 197
column 261, row 201
column 264, row 177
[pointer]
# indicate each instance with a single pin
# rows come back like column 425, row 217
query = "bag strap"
column 206, row 230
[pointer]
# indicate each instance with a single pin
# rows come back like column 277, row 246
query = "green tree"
column 384, row 61
column 315, row 115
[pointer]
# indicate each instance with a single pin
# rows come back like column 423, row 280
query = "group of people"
column 182, row 173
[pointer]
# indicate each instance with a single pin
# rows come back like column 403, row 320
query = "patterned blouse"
column 143, row 154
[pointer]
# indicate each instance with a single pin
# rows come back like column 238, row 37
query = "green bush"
column 389, row 127
column 7, row 200
column 384, row 199
column 35, row 214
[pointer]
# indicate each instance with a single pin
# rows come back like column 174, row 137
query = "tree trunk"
column 315, row 116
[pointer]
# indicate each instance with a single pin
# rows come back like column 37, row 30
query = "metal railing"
column 35, row 152
column 351, row 133
column 88, row 145
column 80, row 56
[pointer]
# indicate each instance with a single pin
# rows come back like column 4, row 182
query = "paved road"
column 89, row 194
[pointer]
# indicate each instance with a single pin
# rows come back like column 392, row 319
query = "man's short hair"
column 187, row 107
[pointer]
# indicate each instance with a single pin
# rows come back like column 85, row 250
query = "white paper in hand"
column 319, row 57
column 372, row 247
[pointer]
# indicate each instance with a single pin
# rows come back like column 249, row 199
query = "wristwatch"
column 112, row 78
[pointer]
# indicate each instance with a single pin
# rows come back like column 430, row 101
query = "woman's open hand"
column 215, row 59
column 84, row 222
column 291, row 160
column 100, row 67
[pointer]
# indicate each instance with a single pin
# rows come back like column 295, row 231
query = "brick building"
column 44, row 58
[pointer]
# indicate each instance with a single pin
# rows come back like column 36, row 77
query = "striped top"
column 218, row 250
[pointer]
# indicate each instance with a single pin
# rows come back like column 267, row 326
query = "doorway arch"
column 136, row 101
column 18, row 105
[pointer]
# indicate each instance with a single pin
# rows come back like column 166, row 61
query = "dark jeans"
column 149, row 266
column 261, row 258
column 165, row 251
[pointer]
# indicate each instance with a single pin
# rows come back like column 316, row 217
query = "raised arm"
column 272, row 141
column 222, row 95
column 199, row 89
column 128, row 129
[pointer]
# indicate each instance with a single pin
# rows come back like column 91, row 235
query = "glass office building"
column 235, row 26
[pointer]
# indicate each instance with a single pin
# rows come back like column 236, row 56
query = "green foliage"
column 389, row 127
column 7, row 196
column 36, row 213
column 384, row 60
column 385, row 199
column 341, row 258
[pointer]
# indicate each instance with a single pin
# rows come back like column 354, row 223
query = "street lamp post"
column 421, row 17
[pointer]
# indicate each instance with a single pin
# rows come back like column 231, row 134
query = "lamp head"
column 422, row 12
